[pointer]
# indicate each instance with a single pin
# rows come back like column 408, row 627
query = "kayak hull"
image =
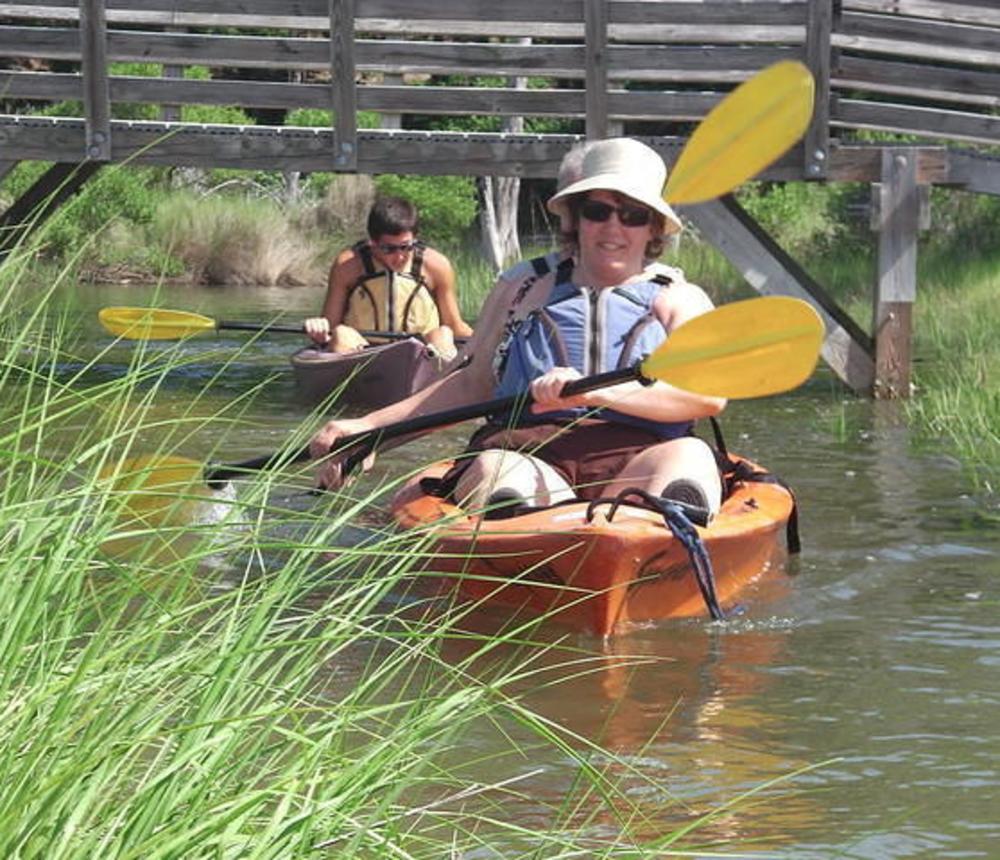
column 596, row 575
column 372, row 377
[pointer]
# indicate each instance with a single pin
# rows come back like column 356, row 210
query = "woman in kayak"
column 604, row 311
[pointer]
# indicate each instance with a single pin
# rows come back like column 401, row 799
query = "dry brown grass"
column 236, row 241
column 343, row 212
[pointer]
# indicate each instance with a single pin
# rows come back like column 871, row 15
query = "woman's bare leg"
column 686, row 458
column 496, row 473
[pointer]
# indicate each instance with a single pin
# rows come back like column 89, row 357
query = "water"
column 854, row 693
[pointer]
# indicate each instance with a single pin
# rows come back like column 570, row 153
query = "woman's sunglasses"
column 401, row 248
column 629, row 216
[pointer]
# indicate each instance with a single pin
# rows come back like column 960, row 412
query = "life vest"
column 383, row 300
column 592, row 331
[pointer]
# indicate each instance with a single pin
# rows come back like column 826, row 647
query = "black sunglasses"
column 629, row 216
column 402, row 247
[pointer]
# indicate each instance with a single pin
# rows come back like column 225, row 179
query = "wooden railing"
column 928, row 69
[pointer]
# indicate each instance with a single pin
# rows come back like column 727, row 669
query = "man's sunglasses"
column 401, row 248
column 629, row 216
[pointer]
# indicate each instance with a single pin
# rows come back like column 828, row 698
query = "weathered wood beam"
column 907, row 119
column 769, row 270
column 896, row 289
column 959, row 11
column 930, row 83
column 96, row 98
column 596, row 63
column 974, row 172
column 818, row 59
column 343, row 90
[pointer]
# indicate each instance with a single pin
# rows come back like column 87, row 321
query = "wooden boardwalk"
column 923, row 73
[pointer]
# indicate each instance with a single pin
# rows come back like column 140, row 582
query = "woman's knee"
column 497, row 474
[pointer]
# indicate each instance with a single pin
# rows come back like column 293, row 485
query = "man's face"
column 394, row 251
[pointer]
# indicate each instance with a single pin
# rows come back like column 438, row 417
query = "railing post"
column 819, row 25
column 899, row 221
column 344, row 93
column 172, row 112
column 596, row 53
column 94, row 67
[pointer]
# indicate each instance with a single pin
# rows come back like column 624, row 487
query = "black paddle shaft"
column 290, row 329
column 365, row 443
column 265, row 327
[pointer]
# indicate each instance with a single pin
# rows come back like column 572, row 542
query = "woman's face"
column 611, row 251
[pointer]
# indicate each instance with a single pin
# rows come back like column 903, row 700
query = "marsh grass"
column 203, row 677
column 957, row 375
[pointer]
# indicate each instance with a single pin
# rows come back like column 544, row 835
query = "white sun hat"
column 624, row 165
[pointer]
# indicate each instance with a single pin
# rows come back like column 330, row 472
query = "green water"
column 878, row 651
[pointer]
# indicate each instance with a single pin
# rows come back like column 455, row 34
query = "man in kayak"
column 390, row 282
column 603, row 310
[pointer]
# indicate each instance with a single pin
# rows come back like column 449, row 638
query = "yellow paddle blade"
column 158, row 497
column 748, row 130
column 153, row 323
column 743, row 349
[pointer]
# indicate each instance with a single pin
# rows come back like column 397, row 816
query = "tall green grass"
column 957, row 372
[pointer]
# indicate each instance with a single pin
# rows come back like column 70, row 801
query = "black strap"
column 540, row 265
column 364, row 251
column 675, row 517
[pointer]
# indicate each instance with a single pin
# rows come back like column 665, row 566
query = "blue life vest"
column 592, row 331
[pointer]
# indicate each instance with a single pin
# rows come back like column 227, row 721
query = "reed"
column 957, row 394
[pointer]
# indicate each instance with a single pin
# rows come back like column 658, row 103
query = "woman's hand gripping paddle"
column 741, row 350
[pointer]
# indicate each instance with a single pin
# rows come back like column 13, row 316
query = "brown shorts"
column 588, row 454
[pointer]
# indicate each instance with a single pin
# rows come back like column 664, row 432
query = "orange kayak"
column 592, row 573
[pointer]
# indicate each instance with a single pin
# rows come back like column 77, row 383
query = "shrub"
column 447, row 204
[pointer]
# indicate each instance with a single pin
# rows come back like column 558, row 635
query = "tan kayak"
column 371, row 377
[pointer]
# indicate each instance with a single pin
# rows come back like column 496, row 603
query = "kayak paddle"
column 760, row 347
column 741, row 350
column 748, row 130
column 163, row 324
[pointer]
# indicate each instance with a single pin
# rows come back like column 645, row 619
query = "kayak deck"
column 594, row 574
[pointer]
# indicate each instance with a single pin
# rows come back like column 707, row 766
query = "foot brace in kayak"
column 677, row 517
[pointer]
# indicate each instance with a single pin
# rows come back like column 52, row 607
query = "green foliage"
column 215, row 115
column 805, row 215
column 447, row 203
column 960, row 218
column 319, row 118
column 114, row 194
